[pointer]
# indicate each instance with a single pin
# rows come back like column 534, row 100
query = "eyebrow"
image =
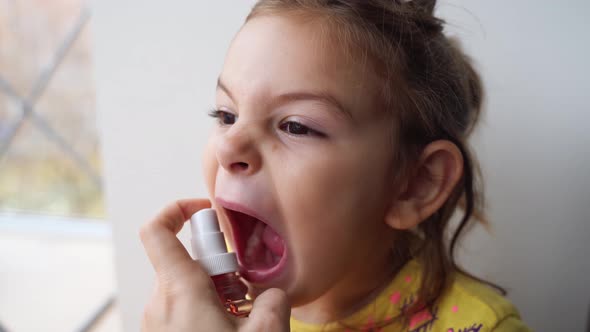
column 291, row 97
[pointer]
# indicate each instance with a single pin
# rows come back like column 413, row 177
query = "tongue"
column 273, row 241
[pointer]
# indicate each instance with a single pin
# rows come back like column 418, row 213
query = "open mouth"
column 260, row 249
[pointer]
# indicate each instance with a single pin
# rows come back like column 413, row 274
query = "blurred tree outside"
column 49, row 148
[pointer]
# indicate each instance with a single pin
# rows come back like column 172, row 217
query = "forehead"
column 275, row 54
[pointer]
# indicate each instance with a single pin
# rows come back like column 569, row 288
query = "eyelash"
column 285, row 126
column 220, row 116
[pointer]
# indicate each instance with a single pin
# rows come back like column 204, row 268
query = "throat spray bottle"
column 209, row 248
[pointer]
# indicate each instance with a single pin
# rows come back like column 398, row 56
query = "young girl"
column 339, row 156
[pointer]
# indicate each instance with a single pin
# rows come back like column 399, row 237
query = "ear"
column 436, row 174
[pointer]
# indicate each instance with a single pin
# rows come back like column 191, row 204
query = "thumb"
column 271, row 312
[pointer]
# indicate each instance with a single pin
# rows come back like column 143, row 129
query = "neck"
column 347, row 297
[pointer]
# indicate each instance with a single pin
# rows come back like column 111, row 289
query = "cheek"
column 334, row 201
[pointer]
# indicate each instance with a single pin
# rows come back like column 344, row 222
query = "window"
column 54, row 243
column 48, row 139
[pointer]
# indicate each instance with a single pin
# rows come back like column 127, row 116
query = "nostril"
column 239, row 166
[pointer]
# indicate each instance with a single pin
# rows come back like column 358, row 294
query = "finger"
column 159, row 239
column 270, row 312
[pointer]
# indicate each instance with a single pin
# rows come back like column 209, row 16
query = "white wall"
column 156, row 66
column 534, row 147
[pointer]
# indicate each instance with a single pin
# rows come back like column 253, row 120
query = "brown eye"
column 224, row 118
column 227, row 118
column 295, row 128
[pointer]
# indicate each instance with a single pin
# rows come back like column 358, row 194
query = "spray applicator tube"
column 209, row 248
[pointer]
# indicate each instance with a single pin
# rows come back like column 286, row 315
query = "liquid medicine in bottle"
column 209, row 248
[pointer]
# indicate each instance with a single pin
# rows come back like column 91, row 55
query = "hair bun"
column 425, row 6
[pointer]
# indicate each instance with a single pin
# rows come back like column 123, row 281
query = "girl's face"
column 299, row 165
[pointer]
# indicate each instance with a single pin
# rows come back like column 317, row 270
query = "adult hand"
column 184, row 297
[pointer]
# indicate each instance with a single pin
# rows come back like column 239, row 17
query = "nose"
column 237, row 151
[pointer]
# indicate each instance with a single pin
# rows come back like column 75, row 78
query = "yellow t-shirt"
column 467, row 306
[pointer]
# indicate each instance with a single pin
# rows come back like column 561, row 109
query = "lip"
column 241, row 208
column 253, row 276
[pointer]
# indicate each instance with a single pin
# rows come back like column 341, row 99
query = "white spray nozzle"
column 208, row 244
column 205, row 221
